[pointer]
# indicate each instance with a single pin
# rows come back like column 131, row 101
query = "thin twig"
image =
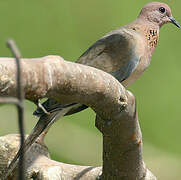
column 11, row 44
column 9, row 100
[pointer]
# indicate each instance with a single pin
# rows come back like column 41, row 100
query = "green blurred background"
column 67, row 28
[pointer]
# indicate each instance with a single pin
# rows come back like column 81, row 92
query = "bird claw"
column 41, row 107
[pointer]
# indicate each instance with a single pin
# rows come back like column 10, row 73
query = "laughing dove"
column 125, row 53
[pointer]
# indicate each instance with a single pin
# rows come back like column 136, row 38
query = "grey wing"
column 125, row 71
column 115, row 53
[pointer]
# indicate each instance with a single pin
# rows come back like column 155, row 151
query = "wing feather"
column 115, row 53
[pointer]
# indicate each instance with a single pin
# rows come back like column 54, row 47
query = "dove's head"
column 158, row 13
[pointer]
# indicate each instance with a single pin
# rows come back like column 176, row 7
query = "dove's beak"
column 172, row 19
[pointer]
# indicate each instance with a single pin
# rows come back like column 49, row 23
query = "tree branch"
column 38, row 164
column 115, row 107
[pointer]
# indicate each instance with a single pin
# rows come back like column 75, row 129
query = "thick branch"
column 51, row 76
column 122, row 144
column 115, row 107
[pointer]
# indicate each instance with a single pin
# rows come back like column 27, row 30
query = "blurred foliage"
column 67, row 28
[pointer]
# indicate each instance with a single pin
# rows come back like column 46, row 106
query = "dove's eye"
column 162, row 9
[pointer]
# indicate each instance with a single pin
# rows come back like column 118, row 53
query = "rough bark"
column 68, row 82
